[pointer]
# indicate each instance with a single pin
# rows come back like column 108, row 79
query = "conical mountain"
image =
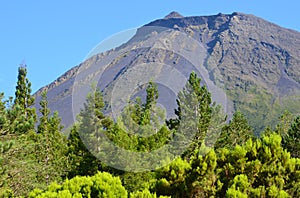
column 247, row 63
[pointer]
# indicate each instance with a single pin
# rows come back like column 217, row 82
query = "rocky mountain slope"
column 247, row 63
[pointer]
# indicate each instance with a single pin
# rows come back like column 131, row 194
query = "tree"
column 237, row 132
column 258, row 168
column 51, row 146
column 203, row 179
column 18, row 122
column 4, row 123
column 4, row 148
column 171, row 179
column 82, row 162
column 218, row 121
column 22, row 115
column 91, row 123
column 291, row 141
column 141, row 126
column 268, row 167
column 99, row 185
column 134, row 182
column 21, row 163
column 194, row 113
column 284, row 125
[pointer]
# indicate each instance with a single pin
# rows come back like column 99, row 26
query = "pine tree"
column 194, row 114
column 82, row 161
column 22, row 115
column 141, row 126
column 5, row 145
column 171, row 179
column 4, row 148
column 21, row 163
column 82, row 142
column 237, row 132
column 291, row 141
column 218, row 121
column 98, row 185
column 20, row 121
column 284, row 125
column 51, row 146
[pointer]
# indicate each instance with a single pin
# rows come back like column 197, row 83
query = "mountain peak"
column 243, row 54
column 173, row 15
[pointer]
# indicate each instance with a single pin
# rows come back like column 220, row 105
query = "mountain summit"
column 173, row 15
column 248, row 63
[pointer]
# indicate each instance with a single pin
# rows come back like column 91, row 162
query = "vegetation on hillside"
column 221, row 160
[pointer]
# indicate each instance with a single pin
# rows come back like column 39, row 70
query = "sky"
column 53, row 36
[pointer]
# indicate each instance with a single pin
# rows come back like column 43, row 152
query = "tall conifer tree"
column 51, row 146
column 194, row 113
column 22, row 114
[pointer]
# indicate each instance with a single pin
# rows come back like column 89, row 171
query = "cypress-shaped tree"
column 22, row 115
column 21, row 118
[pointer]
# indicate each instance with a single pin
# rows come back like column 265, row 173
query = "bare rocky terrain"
column 248, row 63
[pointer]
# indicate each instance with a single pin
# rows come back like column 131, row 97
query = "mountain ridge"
column 247, row 56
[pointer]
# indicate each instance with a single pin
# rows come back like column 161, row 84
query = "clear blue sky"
column 53, row 36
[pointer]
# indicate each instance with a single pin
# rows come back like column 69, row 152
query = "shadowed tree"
column 291, row 141
column 237, row 132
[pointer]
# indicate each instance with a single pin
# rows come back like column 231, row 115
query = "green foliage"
column 171, row 179
column 264, row 162
column 194, row 113
column 261, row 107
column 237, row 132
column 137, row 181
column 82, row 162
column 51, row 146
column 17, row 120
column 291, row 141
column 4, row 148
column 22, row 115
column 142, row 194
column 4, row 123
column 241, row 166
column 145, row 194
column 21, row 163
column 99, row 185
column 83, row 139
column 141, row 126
column 239, row 187
column 284, row 124
column 260, row 168
column 203, row 180
column 36, row 157
column 218, row 122
column 23, row 90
